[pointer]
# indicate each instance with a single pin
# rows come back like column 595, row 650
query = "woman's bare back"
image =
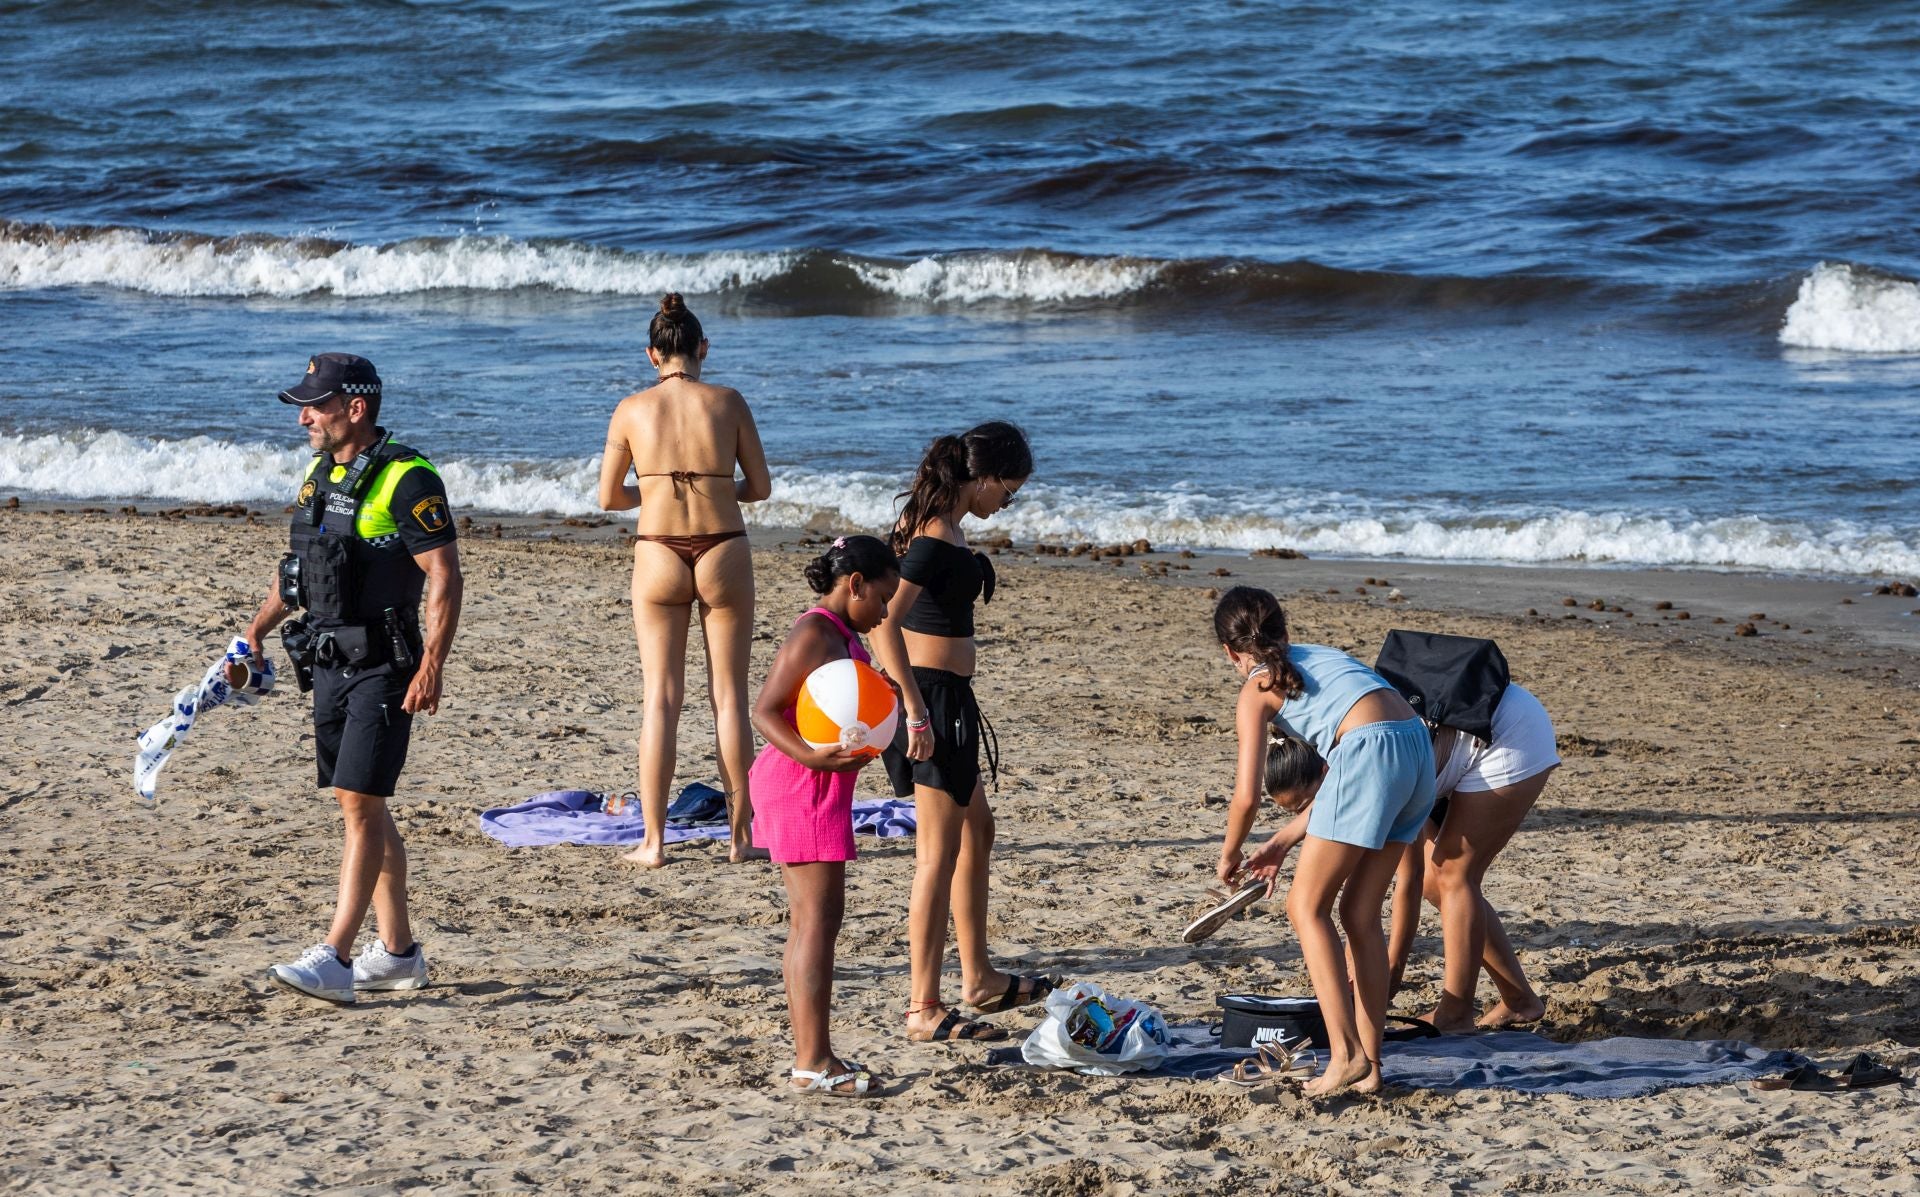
column 684, row 438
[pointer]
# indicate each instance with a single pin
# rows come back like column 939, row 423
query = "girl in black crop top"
column 936, row 755
column 950, row 578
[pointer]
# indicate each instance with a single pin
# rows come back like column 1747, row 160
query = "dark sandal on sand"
column 1807, row 1077
column 957, row 1028
column 1037, row 990
column 1865, row 1072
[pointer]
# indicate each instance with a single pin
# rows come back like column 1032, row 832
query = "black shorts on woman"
column 950, row 578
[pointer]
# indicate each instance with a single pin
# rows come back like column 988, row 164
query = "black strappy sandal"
column 1038, row 987
column 958, row 1028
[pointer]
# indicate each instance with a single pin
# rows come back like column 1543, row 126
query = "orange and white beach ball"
column 846, row 704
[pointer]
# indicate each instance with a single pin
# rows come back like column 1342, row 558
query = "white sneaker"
column 377, row 968
column 318, row 973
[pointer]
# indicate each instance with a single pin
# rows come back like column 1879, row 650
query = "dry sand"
column 1728, row 851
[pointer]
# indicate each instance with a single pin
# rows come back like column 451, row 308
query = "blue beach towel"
column 1606, row 1068
column 574, row 817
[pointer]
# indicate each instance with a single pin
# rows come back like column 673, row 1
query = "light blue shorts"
column 1379, row 786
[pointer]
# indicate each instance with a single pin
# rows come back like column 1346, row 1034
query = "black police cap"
column 330, row 374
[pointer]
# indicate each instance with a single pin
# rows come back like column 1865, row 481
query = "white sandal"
column 821, row 1082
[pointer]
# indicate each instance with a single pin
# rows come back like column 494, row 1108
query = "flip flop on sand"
column 1036, row 990
column 1216, row 916
column 957, row 1028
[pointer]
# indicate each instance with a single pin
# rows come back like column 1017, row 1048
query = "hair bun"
column 671, row 304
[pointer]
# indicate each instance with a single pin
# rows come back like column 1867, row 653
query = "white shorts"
column 1522, row 747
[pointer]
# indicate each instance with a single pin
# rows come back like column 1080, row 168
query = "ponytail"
column 935, row 490
column 1251, row 621
column 995, row 449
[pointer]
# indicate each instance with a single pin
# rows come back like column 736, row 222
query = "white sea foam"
column 112, row 465
column 1843, row 308
column 38, row 257
column 1033, row 276
column 281, row 266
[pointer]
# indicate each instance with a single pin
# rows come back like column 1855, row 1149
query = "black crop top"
column 950, row 578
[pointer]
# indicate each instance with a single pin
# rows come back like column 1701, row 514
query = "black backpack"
column 1454, row 681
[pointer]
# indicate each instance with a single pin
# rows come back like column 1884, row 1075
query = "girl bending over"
column 1377, row 790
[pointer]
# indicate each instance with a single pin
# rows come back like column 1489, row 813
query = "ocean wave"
column 1350, row 526
column 115, row 466
column 39, row 256
column 34, row 257
column 1849, row 308
column 1034, row 276
column 89, row 464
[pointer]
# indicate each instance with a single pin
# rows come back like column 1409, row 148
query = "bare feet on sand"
column 738, row 855
column 1503, row 1015
column 647, row 858
column 1359, row 1075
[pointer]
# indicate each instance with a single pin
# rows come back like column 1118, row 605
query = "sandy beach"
column 1727, row 852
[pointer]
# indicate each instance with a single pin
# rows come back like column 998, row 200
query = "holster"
column 297, row 638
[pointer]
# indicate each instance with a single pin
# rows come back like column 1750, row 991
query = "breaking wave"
column 39, row 256
column 1853, row 309
column 114, row 466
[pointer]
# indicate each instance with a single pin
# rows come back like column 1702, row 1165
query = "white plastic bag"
column 1094, row 1032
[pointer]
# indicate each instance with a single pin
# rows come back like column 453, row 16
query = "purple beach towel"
column 574, row 817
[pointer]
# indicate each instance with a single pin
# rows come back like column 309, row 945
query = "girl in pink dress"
column 803, row 797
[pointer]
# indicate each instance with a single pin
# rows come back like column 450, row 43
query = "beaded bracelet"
column 923, row 725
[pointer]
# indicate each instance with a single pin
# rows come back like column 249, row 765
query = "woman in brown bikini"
column 683, row 438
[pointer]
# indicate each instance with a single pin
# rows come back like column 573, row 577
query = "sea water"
column 1520, row 283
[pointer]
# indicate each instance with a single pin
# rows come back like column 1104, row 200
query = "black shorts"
column 360, row 733
column 959, row 732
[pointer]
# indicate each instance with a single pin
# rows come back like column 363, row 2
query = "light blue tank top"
column 1333, row 682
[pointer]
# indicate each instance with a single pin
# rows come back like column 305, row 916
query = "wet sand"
column 1727, row 851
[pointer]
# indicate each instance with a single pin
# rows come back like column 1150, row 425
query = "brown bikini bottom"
column 691, row 548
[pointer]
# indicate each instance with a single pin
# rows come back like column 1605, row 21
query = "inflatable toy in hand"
column 846, row 704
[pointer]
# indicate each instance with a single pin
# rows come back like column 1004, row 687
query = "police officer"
column 371, row 530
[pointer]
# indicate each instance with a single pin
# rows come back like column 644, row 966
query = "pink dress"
column 803, row 815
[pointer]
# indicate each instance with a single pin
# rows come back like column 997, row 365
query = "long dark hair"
column 675, row 331
column 1249, row 620
column 995, row 449
column 1292, row 764
column 867, row 556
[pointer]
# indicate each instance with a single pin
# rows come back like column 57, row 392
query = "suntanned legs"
column 816, row 903
column 1478, row 826
column 1356, row 1019
column 952, row 847
column 662, row 598
column 724, row 580
column 664, row 591
column 373, row 871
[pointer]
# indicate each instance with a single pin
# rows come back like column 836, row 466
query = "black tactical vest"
column 334, row 563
